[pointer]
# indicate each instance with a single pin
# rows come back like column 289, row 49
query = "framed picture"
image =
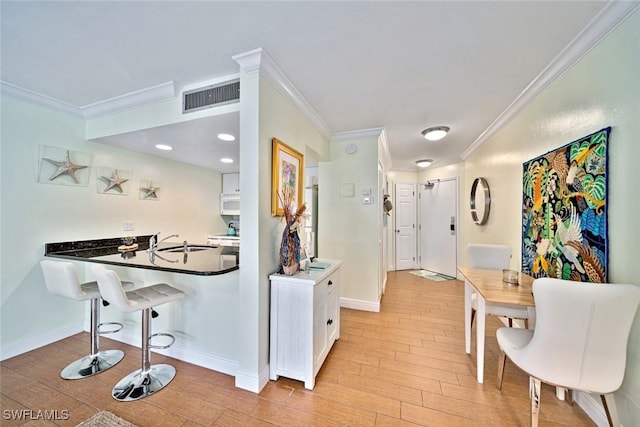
column 63, row 167
column 287, row 174
column 113, row 181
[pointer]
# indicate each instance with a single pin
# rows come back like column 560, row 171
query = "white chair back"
column 581, row 334
column 61, row 279
column 111, row 287
column 495, row 257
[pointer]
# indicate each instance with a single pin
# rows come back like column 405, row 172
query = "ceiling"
column 400, row 65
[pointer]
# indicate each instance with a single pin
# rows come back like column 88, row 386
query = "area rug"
column 431, row 275
column 105, row 419
column 564, row 218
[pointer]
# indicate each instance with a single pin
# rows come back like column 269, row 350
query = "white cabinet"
column 230, row 183
column 305, row 322
column 230, row 196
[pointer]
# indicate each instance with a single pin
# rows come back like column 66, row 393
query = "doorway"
column 405, row 229
column 438, row 207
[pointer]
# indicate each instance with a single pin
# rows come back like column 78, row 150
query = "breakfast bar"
column 204, row 260
column 204, row 323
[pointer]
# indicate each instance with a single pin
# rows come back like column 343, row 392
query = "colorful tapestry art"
column 564, row 218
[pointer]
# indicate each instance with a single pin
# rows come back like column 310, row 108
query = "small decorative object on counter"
column 290, row 246
column 128, row 244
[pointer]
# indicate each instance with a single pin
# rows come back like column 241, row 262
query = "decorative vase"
column 290, row 270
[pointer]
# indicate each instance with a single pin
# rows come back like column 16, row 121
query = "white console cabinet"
column 305, row 322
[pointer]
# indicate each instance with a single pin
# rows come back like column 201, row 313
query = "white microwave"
column 230, row 204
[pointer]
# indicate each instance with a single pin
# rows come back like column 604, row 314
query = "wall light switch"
column 128, row 226
column 367, row 200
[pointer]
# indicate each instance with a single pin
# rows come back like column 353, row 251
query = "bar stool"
column 149, row 378
column 61, row 279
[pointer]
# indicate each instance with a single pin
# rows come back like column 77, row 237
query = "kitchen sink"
column 188, row 248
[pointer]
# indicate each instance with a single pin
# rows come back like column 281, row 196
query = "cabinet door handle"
column 330, row 322
column 330, row 283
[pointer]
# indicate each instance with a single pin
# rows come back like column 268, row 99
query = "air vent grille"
column 210, row 96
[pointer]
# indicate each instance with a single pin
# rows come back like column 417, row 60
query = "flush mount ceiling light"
column 435, row 133
column 226, row 137
column 424, row 163
column 226, row 160
column 164, row 147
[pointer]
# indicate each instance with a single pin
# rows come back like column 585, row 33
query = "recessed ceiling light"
column 164, row 147
column 226, row 160
column 435, row 133
column 424, row 163
column 226, row 137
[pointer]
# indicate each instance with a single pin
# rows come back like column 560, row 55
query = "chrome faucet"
column 153, row 241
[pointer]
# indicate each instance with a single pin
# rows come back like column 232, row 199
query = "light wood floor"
column 403, row 366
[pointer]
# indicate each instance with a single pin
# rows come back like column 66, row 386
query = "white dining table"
column 490, row 288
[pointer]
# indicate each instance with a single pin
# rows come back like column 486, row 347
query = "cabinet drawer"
column 326, row 287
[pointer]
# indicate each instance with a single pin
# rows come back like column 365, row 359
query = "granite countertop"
column 206, row 260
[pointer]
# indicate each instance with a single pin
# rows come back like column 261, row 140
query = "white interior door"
column 405, row 226
column 439, row 226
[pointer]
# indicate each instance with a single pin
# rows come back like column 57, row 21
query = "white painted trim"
column 29, row 344
column 384, row 141
column 39, row 99
column 128, row 101
column 249, row 62
column 259, row 60
column 252, row 383
column 592, row 406
column 612, row 15
column 213, row 362
column 358, row 134
column 362, row 305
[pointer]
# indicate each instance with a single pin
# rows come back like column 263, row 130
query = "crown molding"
column 359, row 134
column 158, row 93
column 249, row 62
column 38, row 98
column 258, row 60
column 612, row 15
column 151, row 95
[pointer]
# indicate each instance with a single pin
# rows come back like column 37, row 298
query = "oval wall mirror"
column 480, row 201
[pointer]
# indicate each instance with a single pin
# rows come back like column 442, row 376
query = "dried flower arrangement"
column 290, row 246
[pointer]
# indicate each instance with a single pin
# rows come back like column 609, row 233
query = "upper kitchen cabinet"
column 230, row 196
column 230, row 183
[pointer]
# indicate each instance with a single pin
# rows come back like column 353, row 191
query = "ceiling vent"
column 211, row 96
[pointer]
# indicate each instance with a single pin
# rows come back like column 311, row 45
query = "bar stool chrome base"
column 92, row 364
column 139, row 384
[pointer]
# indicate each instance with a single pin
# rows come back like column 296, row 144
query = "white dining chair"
column 494, row 257
column 579, row 342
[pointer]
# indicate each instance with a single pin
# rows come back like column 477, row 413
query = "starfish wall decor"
column 65, row 167
column 149, row 189
column 114, row 181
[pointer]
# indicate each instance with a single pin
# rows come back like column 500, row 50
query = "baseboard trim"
column 592, row 406
column 216, row 363
column 252, row 383
column 11, row 350
column 357, row 304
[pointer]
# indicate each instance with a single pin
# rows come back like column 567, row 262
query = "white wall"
column 347, row 228
column 603, row 89
column 34, row 214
